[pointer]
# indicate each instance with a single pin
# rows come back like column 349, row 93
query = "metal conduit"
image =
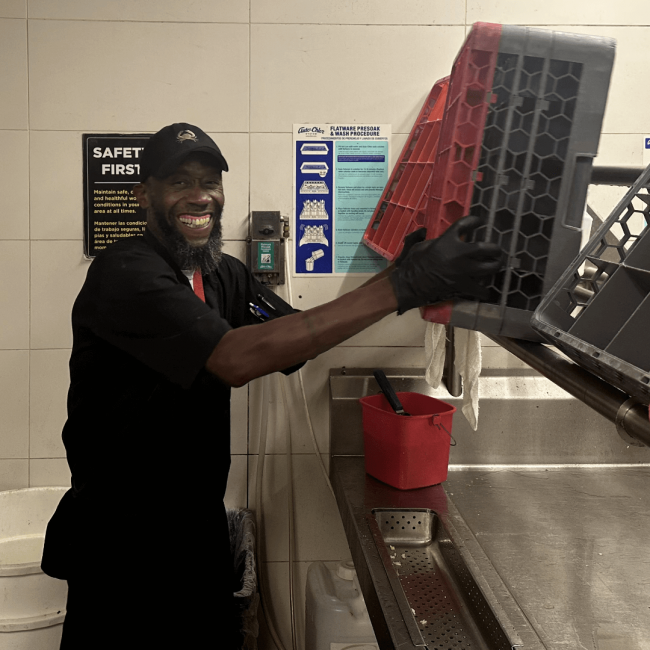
column 629, row 416
column 607, row 175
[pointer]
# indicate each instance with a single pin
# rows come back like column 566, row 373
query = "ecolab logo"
column 313, row 129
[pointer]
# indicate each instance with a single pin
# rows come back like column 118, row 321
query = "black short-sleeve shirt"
column 148, row 431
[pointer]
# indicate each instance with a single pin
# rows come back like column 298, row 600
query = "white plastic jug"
column 335, row 613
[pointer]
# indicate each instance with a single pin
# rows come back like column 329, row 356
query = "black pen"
column 265, row 301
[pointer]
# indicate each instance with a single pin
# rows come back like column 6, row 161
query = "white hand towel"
column 467, row 347
column 468, row 362
column 434, row 353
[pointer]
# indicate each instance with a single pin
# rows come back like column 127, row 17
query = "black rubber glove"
column 446, row 267
column 409, row 241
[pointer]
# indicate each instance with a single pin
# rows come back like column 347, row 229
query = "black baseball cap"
column 167, row 149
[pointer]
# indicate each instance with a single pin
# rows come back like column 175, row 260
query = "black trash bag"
column 241, row 526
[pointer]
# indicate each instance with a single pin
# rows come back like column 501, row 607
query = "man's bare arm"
column 430, row 271
column 249, row 352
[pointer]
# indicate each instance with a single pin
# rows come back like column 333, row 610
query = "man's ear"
column 141, row 195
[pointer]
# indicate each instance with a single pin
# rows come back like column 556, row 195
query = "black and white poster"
column 111, row 165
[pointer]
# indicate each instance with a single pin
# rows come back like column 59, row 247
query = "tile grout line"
column 248, row 392
column 319, row 24
column 29, row 262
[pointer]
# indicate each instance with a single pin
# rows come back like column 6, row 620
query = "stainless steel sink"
column 441, row 602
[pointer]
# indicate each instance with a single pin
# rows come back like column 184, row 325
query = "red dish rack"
column 459, row 149
column 402, row 207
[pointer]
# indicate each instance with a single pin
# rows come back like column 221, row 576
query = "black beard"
column 189, row 258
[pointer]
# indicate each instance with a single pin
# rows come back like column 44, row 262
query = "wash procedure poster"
column 340, row 171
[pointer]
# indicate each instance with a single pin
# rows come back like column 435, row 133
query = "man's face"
column 184, row 210
column 191, row 199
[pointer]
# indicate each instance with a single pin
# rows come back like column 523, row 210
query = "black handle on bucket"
column 453, row 441
column 389, row 392
column 436, row 420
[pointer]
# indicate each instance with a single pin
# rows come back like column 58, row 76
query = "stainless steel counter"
column 358, row 495
column 570, row 545
column 561, row 551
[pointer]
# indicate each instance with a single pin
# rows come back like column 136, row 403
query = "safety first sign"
column 111, row 164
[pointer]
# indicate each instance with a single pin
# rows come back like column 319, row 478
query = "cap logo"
column 186, row 135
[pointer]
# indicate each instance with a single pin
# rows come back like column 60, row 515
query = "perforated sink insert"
column 449, row 608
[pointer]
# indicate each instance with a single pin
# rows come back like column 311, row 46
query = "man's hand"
column 446, row 267
column 409, row 241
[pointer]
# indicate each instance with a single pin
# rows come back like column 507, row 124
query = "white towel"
column 467, row 347
column 434, row 353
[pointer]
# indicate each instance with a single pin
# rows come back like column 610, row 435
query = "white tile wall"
column 56, row 185
column 273, row 521
column 124, row 76
column 198, row 11
column 14, row 404
column 236, row 248
column 14, row 474
column 345, row 73
column 49, row 471
column 559, row 12
column 271, row 166
column 625, row 149
column 58, row 270
column 234, row 147
column 14, row 184
column 360, row 12
column 318, row 527
column 48, row 390
column 13, row 9
column 236, row 490
column 278, row 578
column 13, row 73
column 14, row 294
column 239, row 420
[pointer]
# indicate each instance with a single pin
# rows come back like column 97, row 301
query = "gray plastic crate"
column 541, row 134
column 598, row 313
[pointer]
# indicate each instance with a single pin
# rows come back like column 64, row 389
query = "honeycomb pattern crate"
column 598, row 313
column 468, row 100
column 520, row 131
column 402, row 207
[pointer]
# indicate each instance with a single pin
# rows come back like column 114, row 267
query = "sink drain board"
column 441, row 602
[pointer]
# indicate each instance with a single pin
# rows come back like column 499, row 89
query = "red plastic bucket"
column 407, row 452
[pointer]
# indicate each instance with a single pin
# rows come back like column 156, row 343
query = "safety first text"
column 118, row 169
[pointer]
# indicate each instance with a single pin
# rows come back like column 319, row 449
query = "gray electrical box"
column 265, row 251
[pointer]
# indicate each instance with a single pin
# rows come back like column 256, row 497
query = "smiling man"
column 191, row 230
column 162, row 329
